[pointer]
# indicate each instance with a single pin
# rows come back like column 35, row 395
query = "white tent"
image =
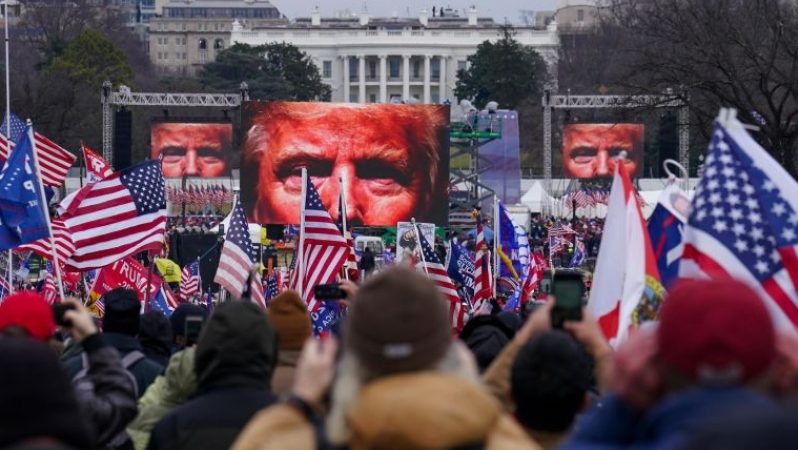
column 536, row 198
column 254, row 228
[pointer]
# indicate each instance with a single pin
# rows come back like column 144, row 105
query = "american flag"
column 119, row 216
column 536, row 269
column 48, row 288
column 744, row 220
column 5, row 288
column 190, row 281
column 323, row 248
column 63, row 242
column 237, row 259
column 54, row 160
column 432, row 266
column 482, row 277
column 272, row 289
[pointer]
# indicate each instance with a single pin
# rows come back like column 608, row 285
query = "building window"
column 416, row 69
column 218, row 44
column 394, row 67
column 372, row 98
column 372, row 69
column 326, row 69
column 435, row 67
column 461, row 65
column 353, row 97
column 353, row 69
column 435, row 97
column 203, row 44
column 580, row 15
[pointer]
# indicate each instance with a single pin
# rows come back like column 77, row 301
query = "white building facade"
column 379, row 60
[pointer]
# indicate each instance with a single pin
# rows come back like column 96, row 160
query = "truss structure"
column 551, row 102
column 125, row 97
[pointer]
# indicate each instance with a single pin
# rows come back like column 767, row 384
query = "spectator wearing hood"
column 714, row 346
column 233, row 362
column 178, row 321
column 108, row 406
column 402, row 382
column 487, row 335
column 120, row 327
column 155, row 336
column 289, row 316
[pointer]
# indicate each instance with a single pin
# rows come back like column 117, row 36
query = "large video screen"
column 194, row 149
column 394, row 160
column 590, row 149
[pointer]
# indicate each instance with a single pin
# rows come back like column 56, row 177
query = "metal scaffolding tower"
column 125, row 97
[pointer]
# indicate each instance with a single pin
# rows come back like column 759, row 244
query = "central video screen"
column 590, row 150
column 394, row 160
column 193, row 148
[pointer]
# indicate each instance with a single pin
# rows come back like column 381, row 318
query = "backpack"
column 82, row 382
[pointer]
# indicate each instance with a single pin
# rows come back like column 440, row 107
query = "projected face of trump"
column 387, row 155
column 193, row 149
column 590, row 150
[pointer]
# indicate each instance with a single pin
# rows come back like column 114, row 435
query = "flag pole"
column 496, row 237
column 300, row 251
column 418, row 241
column 8, row 137
column 342, row 199
column 45, row 207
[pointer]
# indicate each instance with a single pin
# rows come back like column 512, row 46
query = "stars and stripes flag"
column 744, row 220
column 63, row 242
column 483, row 290
column 5, row 288
column 272, row 289
column 537, row 266
column 432, row 266
column 116, row 217
column 237, row 260
column 54, row 160
column 323, row 249
column 190, row 281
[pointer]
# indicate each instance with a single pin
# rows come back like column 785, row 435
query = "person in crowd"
column 590, row 150
column 389, row 157
column 38, row 407
column 402, row 382
column 193, row 149
column 106, row 395
column 233, row 362
column 289, row 316
column 120, row 328
column 166, row 393
column 367, row 263
column 715, row 344
column 155, row 336
column 178, row 322
column 486, row 335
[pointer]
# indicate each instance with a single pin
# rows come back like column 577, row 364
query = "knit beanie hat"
column 36, row 396
column 398, row 323
column 290, row 318
column 122, row 308
column 716, row 332
column 29, row 311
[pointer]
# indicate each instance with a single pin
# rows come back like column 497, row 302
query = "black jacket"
column 235, row 358
column 144, row 371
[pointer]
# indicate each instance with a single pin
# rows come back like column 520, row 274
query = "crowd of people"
column 392, row 376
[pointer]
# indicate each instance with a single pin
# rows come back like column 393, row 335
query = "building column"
column 383, row 79
column 427, row 77
column 361, row 78
column 345, row 58
column 405, row 77
column 442, row 79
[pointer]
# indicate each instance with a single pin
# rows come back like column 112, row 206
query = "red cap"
column 29, row 311
column 716, row 331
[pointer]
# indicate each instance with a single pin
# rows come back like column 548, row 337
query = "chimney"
column 472, row 16
column 423, row 17
column 364, row 19
column 315, row 17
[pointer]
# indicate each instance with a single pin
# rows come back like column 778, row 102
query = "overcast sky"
column 498, row 9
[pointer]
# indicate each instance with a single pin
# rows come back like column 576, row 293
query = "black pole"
column 573, row 220
column 183, row 207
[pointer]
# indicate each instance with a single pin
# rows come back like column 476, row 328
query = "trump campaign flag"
column 744, row 220
column 460, row 267
column 665, row 227
column 54, row 160
column 96, row 167
column 626, row 287
column 22, row 215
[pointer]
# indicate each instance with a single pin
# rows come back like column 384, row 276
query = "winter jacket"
column 167, row 392
column 143, row 371
column 614, row 425
column 417, row 411
column 234, row 360
column 283, row 378
column 112, row 402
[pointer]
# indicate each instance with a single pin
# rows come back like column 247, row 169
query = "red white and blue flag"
column 190, row 281
column 237, row 260
column 483, row 290
column 432, row 266
column 54, row 160
column 744, row 220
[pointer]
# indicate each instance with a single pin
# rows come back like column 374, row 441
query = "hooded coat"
column 234, row 361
